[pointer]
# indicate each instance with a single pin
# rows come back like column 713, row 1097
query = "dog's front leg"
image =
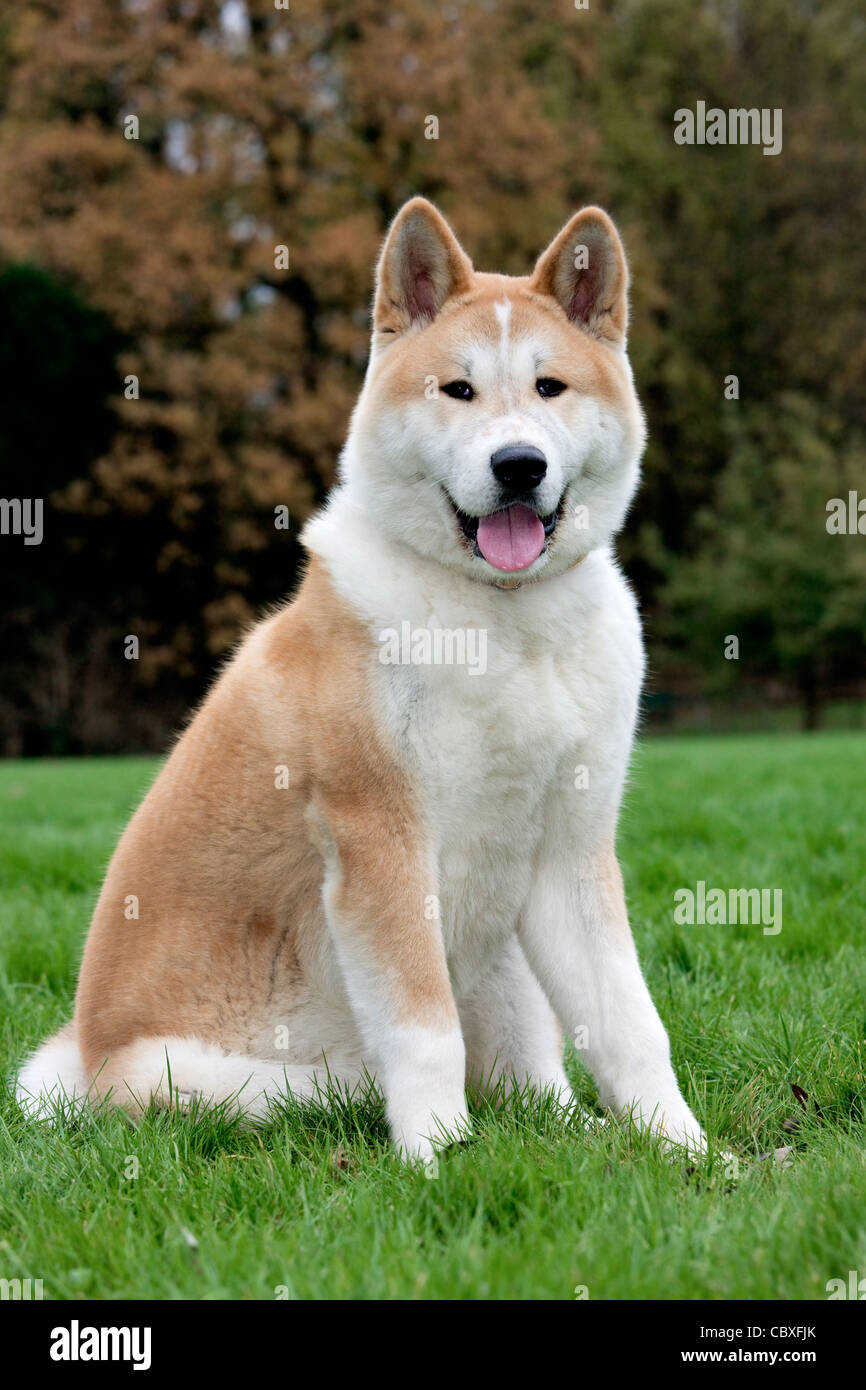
column 380, row 901
column 577, row 938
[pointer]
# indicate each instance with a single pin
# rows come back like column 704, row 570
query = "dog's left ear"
column 584, row 268
column 422, row 264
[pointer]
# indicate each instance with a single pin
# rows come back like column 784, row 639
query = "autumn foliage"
column 170, row 376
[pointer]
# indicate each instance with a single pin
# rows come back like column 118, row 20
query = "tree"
column 771, row 570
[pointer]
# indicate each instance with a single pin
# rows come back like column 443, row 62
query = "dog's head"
column 498, row 430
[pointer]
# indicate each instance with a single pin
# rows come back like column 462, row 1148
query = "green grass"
column 315, row 1205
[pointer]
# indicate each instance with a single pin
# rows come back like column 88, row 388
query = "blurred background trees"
column 168, row 380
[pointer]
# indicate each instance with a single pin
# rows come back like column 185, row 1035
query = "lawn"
column 314, row 1206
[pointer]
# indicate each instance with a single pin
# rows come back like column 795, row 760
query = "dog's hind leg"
column 512, row 1036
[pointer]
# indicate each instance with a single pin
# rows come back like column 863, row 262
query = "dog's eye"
column 548, row 386
column 460, row 390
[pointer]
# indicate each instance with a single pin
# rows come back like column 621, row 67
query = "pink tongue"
column 511, row 540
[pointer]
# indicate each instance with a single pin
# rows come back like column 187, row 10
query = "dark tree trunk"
column 811, row 695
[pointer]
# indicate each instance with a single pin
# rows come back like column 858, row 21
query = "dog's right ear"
column 421, row 266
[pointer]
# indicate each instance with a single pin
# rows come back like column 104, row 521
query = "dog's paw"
column 424, row 1141
column 683, row 1141
column 684, row 1138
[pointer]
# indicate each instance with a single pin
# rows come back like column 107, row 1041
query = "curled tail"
column 171, row 1071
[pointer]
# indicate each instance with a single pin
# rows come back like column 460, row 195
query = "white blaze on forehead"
column 504, row 365
column 503, row 313
column 505, row 372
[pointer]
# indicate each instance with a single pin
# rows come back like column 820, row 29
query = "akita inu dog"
column 353, row 863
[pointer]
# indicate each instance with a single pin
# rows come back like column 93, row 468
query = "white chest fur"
column 534, row 721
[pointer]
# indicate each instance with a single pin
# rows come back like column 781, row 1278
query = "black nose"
column 519, row 467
